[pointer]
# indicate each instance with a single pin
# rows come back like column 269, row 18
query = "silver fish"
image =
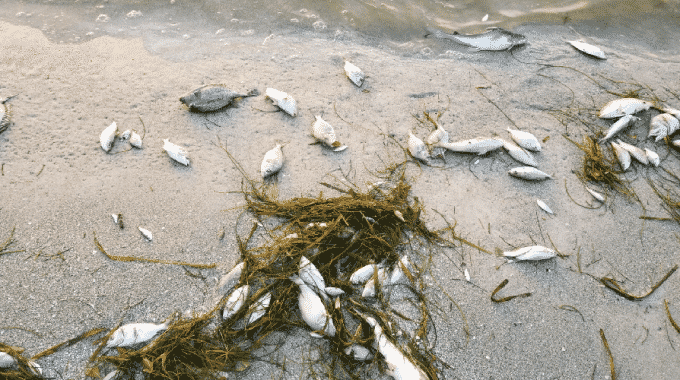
column 354, row 74
column 107, row 136
column 622, row 155
column 370, row 287
column 398, row 273
column 437, row 137
column 417, row 148
column 134, row 333
column 529, row 173
column 363, row 274
column 596, row 195
column 663, row 125
column 525, row 140
column 259, row 308
column 635, row 152
column 533, row 253
column 544, row 207
column 125, row 135
column 283, row 101
column 235, row 301
column 398, row 365
column 7, row 360
column 652, row 157
column 310, row 274
column 136, row 140
column 313, row 310
column 212, row 97
column 672, row 111
column 519, row 154
column 478, row 145
column 359, row 353
column 622, row 107
column 619, row 126
column 333, row 291
column 5, row 114
column 272, row 161
column 226, row 284
column 324, row 132
column 588, row 49
column 494, row 39
column 146, row 233
column 176, row 152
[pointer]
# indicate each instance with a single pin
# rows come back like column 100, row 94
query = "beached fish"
column 125, row 135
column 437, row 137
column 313, row 310
column 398, row 273
column 663, row 125
column 652, row 157
column 259, row 308
column 619, row 126
column 519, row 154
column 272, row 161
column 398, row 365
column 623, row 107
column 525, row 140
column 113, row 375
column 333, row 291
column 529, row 173
column 135, row 333
column 146, row 233
column 359, row 353
column 354, row 74
column 310, row 274
column 544, row 207
column 622, row 155
column 235, row 301
column 5, row 115
column 107, row 136
column 363, row 274
column 533, row 253
column 7, row 360
column 135, row 140
column 229, row 280
column 324, row 132
column 176, row 152
column 596, row 195
column 635, row 152
column 479, row 145
column 417, row 148
column 494, row 39
column 676, row 143
column 283, row 101
column 370, row 287
column 212, row 97
column 588, row 49
column 672, row 111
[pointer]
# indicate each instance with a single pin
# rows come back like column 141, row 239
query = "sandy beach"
column 58, row 188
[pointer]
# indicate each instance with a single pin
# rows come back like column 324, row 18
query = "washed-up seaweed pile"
column 338, row 236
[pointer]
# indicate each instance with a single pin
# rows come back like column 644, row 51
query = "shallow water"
column 398, row 26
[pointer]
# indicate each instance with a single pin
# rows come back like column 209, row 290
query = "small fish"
column 7, row 360
column 313, row 310
column 354, row 74
column 398, row 365
column 134, row 333
column 417, row 148
column 533, row 253
column 212, row 97
column 519, row 154
column 478, row 145
column 437, row 137
column 118, row 219
column 333, row 291
column 596, row 195
column 311, row 276
column 588, row 49
column 235, row 301
column 544, row 207
column 227, row 283
column 485, row 18
column 146, row 233
column 272, row 162
column 363, row 274
column 635, row 152
column 619, row 126
column 176, row 152
column 399, row 215
column 5, row 114
column 663, row 125
column 107, row 137
column 525, row 140
column 283, row 101
column 529, row 173
column 494, row 39
column 653, row 157
column 370, row 287
column 125, row 135
column 676, row 143
column 135, row 140
column 622, row 155
column 359, row 353
column 398, row 271
column 259, row 308
column 322, row 131
column 113, row 375
column 623, row 107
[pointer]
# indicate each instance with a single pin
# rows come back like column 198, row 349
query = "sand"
column 58, row 187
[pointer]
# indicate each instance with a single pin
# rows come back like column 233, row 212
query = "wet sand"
column 59, row 187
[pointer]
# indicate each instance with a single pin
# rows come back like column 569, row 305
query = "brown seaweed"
column 613, row 285
column 670, row 318
column 505, row 299
column 7, row 243
column 609, row 353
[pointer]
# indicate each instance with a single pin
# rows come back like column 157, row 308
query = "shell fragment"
column 146, row 233
column 176, row 152
column 283, row 101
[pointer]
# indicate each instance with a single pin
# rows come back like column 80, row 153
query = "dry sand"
column 58, row 187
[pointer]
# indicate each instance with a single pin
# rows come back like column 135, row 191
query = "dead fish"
column 118, row 219
column 313, row 310
column 125, row 135
column 398, row 365
column 134, row 333
column 146, row 233
column 525, row 140
column 107, row 137
column 519, row 154
column 354, row 74
column 529, row 173
column 235, row 301
column 479, row 145
column 596, row 195
column 676, row 143
column 226, row 284
column 363, row 274
column 311, row 276
column 272, row 161
column 533, row 253
column 588, row 49
column 283, row 101
column 653, row 157
column 437, row 137
column 7, row 360
column 619, row 126
column 359, row 353
column 333, row 291
column 322, row 131
column 370, row 287
column 212, row 97
column 176, row 152
column 623, row 107
column 622, row 155
column 113, row 375
column 399, row 215
column 672, row 111
column 635, row 152
column 417, row 148
column 467, row 275
column 5, row 114
column 135, row 140
column 544, row 207
column 398, row 273
column 494, row 39
column 663, row 125
column 259, row 308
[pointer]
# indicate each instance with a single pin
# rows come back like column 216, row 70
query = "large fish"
column 494, row 39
